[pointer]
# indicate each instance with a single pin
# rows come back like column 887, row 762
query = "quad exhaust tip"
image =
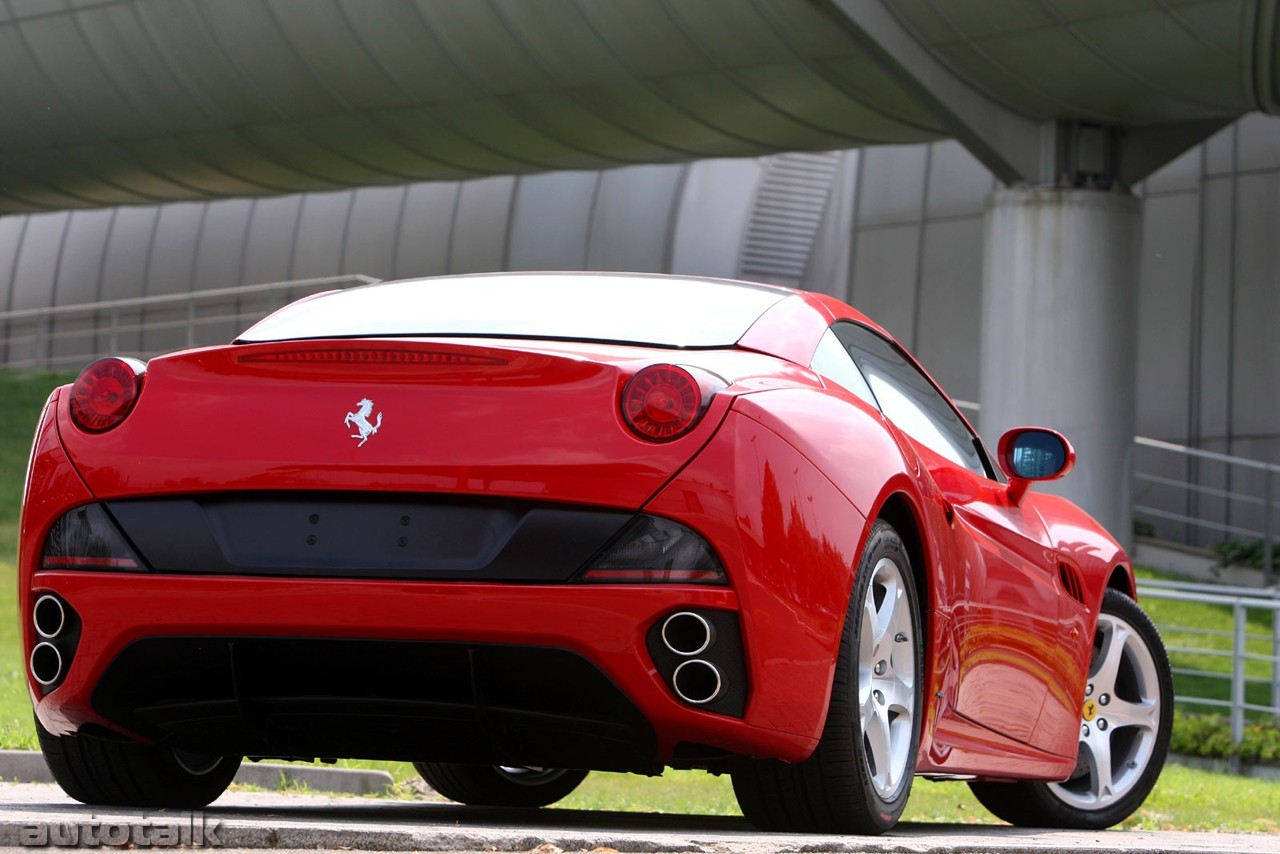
column 49, row 616
column 687, row 634
column 697, row 682
column 46, row 663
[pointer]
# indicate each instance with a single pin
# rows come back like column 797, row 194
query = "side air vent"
column 1071, row 582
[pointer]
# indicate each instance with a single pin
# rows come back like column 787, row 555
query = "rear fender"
column 790, row 541
column 52, row 487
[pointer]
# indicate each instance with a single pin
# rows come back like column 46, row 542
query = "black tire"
column 842, row 787
column 498, row 786
column 106, row 772
column 1128, row 728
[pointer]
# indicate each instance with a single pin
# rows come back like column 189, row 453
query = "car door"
column 1005, row 612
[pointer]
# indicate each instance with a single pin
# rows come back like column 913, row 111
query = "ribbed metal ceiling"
column 106, row 102
column 1115, row 62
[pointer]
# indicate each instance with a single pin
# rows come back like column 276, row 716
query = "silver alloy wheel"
column 530, row 775
column 887, row 678
column 1121, row 718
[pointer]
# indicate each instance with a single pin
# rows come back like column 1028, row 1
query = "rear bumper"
column 790, row 571
column 311, row 667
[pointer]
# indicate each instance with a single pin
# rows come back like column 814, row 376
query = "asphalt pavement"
column 42, row 816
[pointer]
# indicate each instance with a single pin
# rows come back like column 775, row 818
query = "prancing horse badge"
column 360, row 420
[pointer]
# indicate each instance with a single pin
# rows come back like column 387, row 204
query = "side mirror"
column 1028, row 454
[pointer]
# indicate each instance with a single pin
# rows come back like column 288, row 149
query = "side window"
column 909, row 399
column 832, row 362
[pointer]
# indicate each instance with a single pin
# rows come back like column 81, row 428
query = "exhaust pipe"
column 46, row 663
column 687, row 634
column 697, row 682
column 49, row 616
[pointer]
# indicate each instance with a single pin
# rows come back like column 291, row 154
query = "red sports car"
column 514, row 527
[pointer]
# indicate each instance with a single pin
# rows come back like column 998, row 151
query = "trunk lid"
column 449, row 417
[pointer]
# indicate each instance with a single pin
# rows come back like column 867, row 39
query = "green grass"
column 23, row 396
column 1193, row 618
column 1183, row 798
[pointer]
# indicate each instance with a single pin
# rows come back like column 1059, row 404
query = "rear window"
column 657, row 310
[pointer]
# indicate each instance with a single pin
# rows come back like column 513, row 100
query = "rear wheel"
column 500, row 785
column 108, row 772
column 1124, row 732
column 859, row 777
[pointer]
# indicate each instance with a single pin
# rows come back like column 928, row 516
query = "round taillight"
column 662, row 402
column 104, row 393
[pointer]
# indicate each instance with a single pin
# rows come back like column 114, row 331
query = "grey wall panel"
column 828, row 268
column 1213, row 383
column 173, row 252
column 426, row 227
column 371, row 237
column 958, row 183
column 322, row 234
column 550, row 221
column 631, row 222
column 169, row 271
column 125, row 269
column 884, row 276
column 223, row 235
column 1170, row 239
column 949, row 316
column 1220, row 150
column 270, row 239
column 479, row 238
column 1182, row 174
column 892, row 184
column 11, row 229
column 37, row 263
column 1258, row 148
column 1257, row 374
column 80, row 272
column 712, row 216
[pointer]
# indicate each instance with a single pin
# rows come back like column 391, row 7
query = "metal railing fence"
column 1181, row 481
column 1238, row 644
column 71, row 335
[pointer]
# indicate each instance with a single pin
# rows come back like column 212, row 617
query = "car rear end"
column 483, row 548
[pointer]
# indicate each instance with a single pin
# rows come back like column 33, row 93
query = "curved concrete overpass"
column 108, row 102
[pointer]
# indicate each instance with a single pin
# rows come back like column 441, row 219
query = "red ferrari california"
column 516, row 527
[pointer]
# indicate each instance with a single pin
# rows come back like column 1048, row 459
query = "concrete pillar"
column 1059, row 321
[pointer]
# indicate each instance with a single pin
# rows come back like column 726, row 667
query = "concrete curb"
column 1223, row 766
column 27, row 766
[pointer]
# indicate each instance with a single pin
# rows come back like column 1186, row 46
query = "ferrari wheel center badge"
column 1090, row 710
column 359, row 419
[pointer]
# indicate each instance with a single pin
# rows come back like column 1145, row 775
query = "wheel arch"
column 1122, row 579
column 900, row 511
